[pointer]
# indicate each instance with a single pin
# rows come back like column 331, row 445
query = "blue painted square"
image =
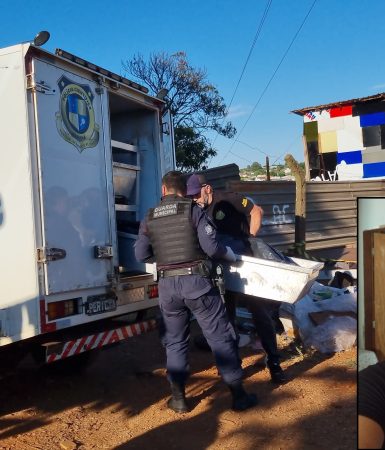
column 370, row 120
column 374, row 170
column 354, row 157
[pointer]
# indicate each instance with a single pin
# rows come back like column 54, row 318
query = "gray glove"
column 229, row 255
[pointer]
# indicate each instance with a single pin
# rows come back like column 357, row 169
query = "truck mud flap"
column 57, row 351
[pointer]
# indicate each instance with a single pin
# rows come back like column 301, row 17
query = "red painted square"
column 342, row 111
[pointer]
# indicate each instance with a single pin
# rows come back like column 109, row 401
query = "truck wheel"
column 10, row 358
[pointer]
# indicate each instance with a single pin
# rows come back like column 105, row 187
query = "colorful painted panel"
column 330, row 124
column 349, row 171
column 371, row 136
column 374, row 170
column 328, row 141
column 342, row 111
column 382, row 131
column 350, row 157
column 368, row 108
column 370, row 120
column 353, row 136
column 310, row 130
column 373, row 155
column 350, row 138
column 316, row 115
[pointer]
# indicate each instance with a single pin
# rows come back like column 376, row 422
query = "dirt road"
column 119, row 402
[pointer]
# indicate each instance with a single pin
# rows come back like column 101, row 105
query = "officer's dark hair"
column 175, row 182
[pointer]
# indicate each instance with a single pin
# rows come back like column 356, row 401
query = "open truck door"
column 168, row 161
column 77, row 242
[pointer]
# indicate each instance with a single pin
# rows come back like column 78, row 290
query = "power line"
column 287, row 148
column 277, row 158
column 252, row 148
column 271, row 79
column 247, row 61
column 241, row 157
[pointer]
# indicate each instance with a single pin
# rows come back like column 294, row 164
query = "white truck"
column 82, row 155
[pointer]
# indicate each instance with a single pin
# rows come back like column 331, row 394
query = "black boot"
column 241, row 399
column 277, row 374
column 177, row 401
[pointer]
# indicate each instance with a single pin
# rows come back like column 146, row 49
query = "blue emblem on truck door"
column 75, row 120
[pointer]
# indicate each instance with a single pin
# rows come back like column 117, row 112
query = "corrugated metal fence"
column 331, row 207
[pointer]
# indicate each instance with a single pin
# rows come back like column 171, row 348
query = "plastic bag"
column 336, row 333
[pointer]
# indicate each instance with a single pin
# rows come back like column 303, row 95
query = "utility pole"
column 300, row 203
column 267, row 169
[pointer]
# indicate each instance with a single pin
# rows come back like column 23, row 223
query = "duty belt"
column 194, row 270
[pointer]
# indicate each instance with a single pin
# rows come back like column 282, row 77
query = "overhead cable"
column 270, row 80
column 262, row 21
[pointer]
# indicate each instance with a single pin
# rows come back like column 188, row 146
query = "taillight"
column 63, row 308
column 153, row 291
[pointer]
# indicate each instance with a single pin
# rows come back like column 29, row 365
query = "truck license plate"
column 98, row 304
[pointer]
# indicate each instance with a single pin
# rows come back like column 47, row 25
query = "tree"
column 255, row 166
column 195, row 104
column 192, row 149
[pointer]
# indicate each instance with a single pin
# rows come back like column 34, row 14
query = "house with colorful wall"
column 345, row 140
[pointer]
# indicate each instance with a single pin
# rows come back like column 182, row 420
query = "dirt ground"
column 119, row 402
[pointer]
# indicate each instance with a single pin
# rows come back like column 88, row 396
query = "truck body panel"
column 82, row 158
column 19, row 295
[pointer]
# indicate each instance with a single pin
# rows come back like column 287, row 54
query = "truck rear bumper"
column 55, row 351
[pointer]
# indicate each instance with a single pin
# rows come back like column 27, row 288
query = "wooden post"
column 306, row 154
column 267, row 169
column 300, row 203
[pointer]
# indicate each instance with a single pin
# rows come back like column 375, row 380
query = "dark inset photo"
column 371, row 322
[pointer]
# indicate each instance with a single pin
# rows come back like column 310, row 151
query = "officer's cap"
column 195, row 183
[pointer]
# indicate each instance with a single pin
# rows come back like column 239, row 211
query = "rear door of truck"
column 167, row 160
column 75, row 180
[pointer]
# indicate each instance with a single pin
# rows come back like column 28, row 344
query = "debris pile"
column 326, row 318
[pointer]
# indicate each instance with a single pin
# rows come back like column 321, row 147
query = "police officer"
column 229, row 212
column 179, row 237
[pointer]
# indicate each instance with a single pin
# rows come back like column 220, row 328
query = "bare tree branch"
column 195, row 104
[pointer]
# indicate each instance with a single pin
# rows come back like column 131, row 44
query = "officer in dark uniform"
column 229, row 212
column 178, row 236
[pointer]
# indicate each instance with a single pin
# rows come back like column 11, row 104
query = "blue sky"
column 338, row 55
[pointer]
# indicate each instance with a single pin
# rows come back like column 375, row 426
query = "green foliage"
column 256, row 169
column 192, row 150
column 195, row 104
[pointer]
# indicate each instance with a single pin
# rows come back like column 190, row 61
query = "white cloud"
column 378, row 86
column 238, row 111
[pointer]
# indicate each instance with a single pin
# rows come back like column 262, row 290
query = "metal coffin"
column 271, row 280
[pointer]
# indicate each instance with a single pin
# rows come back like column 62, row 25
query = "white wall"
column 371, row 214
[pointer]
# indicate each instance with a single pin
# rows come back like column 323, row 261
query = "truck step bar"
column 55, row 351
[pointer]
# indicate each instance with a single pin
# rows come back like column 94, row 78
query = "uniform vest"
column 173, row 238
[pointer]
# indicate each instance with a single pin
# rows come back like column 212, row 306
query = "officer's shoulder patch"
column 220, row 215
column 244, row 202
column 209, row 229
